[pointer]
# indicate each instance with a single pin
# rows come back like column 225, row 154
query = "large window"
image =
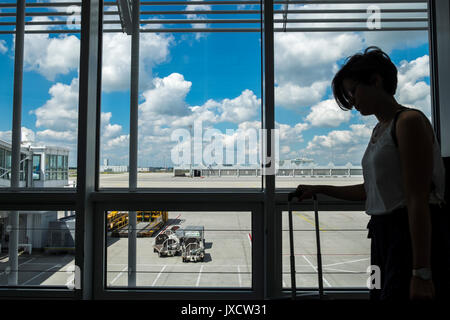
column 345, row 249
column 199, row 107
column 322, row 144
column 49, row 74
column 313, row 42
column 180, row 249
column 6, row 101
column 164, row 160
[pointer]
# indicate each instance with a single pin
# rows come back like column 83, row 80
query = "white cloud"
column 153, row 48
column 414, row 70
column 291, row 134
column 412, row 90
column 27, row 135
column 3, row 47
column 114, row 144
column 59, row 137
column 167, row 97
column 112, row 130
column 327, row 114
column 60, row 112
column 242, row 108
column 293, row 96
column 389, row 41
column 305, row 58
column 339, row 146
column 201, row 7
column 49, row 55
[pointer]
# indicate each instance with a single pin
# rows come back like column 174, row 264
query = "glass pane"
column 199, row 104
column 50, row 88
column 181, row 249
column 318, row 140
column 45, row 244
column 6, row 102
column 36, row 167
column 344, row 246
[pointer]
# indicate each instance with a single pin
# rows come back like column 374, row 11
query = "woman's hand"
column 421, row 289
column 305, row 191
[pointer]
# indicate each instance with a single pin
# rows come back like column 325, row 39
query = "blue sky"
column 213, row 77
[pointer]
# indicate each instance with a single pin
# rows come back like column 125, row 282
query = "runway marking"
column 39, row 274
column 118, row 276
column 181, row 265
column 309, row 221
column 27, row 262
column 340, row 270
column 4, row 272
column 159, row 274
column 351, row 261
column 199, row 276
column 315, row 269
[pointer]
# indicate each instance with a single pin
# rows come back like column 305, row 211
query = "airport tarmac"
column 228, row 260
column 229, row 242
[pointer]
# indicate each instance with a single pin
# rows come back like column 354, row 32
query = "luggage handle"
column 292, row 195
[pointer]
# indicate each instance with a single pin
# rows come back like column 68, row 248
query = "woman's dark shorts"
column 391, row 252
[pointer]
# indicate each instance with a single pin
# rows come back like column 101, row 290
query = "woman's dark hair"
column 361, row 68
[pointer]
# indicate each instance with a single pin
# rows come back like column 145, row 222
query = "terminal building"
column 40, row 167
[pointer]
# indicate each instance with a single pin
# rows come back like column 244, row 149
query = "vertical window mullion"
column 16, row 139
column 91, row 17
column 272, row 220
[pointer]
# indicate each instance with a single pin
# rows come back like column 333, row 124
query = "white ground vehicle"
column 167, row 243
column 193, row 244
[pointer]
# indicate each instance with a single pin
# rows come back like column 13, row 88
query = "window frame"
column 130, row 202
column 90, row 203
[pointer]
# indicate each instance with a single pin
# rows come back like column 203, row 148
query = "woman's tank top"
column 383, row 175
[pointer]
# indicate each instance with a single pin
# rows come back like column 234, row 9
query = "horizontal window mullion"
column 362, row 29
column 193, row 21
column 178, row 199
column 41, row 200
column 38, row 292
column 42, row 4
column 178, row 294
column 194, row 3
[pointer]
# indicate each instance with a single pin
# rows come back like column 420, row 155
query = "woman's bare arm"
column 416, row 156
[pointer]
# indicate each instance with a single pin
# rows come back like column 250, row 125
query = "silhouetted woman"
column 403, row 183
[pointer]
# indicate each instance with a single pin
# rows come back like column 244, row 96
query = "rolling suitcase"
column 291, row 247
